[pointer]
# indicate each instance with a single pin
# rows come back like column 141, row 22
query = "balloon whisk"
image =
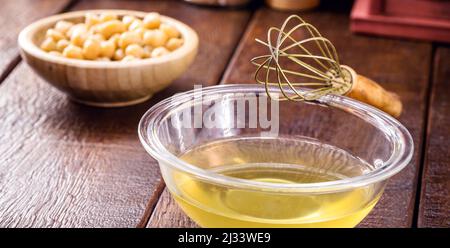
column 308, row 68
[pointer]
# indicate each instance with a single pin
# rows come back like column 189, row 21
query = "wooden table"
column 67, row 165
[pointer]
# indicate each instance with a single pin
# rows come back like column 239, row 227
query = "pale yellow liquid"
column 284, row 161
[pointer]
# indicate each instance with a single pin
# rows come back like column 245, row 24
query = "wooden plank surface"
column 434, row 208
column 15, row 15
column 68, row 165
column 400, row 66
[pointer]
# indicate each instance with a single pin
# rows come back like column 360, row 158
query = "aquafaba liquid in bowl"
column 277, row 161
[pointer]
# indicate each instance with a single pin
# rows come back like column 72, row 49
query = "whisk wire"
column 275, row 53
column 313, row 31
column 293, row 57
column 329, row 76
column 326, row 77
column 308, row 27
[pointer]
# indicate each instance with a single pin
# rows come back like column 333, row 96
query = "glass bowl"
column 231, row 157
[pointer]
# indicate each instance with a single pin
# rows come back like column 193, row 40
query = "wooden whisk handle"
column 370, row 92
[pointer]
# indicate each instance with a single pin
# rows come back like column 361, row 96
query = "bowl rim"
column 401, row 156
column 25, row 41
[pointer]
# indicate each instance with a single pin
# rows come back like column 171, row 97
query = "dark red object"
column 418, row 19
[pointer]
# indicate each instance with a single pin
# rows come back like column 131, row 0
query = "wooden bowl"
column 106, row 83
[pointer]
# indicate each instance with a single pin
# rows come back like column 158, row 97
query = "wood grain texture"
column 15, row 15
column 400, row 66
column 168, row 214
column 434, row 209
column 67, row 165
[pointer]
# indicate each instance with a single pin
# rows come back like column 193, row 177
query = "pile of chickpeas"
column 106, row 37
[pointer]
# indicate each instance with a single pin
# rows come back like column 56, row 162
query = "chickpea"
column 54, row 34
column 115, row 39
column 48, row 45
column 104, row 17
column 140, row 31
column 81, row 27
column 171, row 31
column 118, row 55
column 61, row 44
column 107, row 48
column 159, row 51
column 129, row 58
column 93, row 29
column 152, row 20
column 78, row 37
column 135, row 25
column 91, row 19
column 97, row 37
column 63, row 26
column 91, row 49
column 155, row 38
column 73, row 52
column 174, row 43
column 127, row 20
column 107, row 29
column 128, row 38
column 134, row 50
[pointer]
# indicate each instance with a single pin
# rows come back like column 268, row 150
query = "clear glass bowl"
column 325, row 166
